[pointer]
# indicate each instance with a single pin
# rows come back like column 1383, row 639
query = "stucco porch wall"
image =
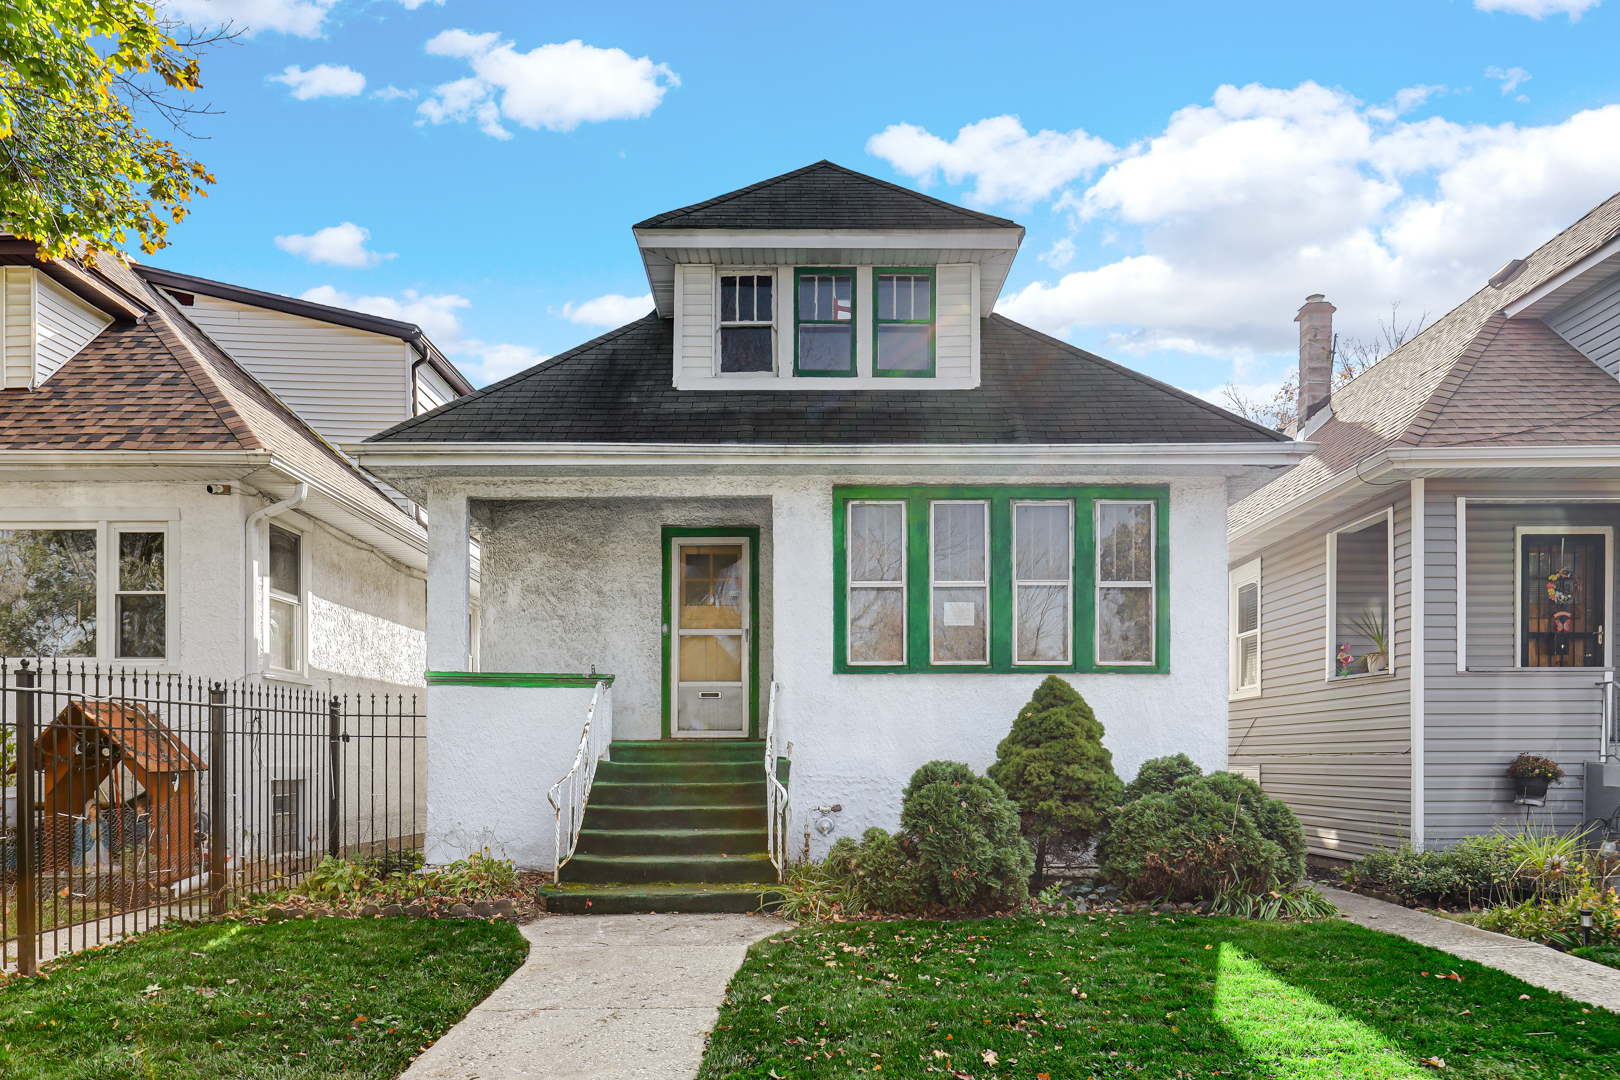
column 855, row 739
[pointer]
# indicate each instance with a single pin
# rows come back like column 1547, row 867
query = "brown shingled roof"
column 1474, row 377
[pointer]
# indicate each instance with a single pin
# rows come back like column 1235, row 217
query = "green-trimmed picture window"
column 903, row 326
column 824, row 322
column 1000, row 579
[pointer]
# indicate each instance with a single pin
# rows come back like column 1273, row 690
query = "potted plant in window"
column 1531, row 774
column 1372, row 625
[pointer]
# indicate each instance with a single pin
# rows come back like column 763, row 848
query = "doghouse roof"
column 147, row 742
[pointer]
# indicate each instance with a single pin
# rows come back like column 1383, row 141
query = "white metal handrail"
column 575, row 787
column 777, row 795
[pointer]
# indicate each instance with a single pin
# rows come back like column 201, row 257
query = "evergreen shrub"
column 966, row 837
column 1205, row 836
column 1054, row 766
column 1158, row 776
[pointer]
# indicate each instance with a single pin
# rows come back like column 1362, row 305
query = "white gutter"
column 252, row 642
column 404, row 455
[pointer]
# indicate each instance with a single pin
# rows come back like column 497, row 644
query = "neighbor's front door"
column 713, row 624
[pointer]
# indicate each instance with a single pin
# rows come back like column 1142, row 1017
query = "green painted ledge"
column 542, row 679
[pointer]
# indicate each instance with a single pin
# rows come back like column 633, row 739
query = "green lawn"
column 286, row 1001
column 1139, row 996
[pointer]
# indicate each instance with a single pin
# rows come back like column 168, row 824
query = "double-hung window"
column 999, row 579
column 1126, row 574
column 824, row 322
column 904, row 322
column 1361, row 563
column 286, row 601
column 1244, row 618
column 746, row 317
column 142, row 597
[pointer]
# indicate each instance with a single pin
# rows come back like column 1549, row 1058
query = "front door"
column 713, row 626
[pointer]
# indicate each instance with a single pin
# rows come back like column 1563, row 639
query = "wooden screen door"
column 713, row 625
column 1565, row 598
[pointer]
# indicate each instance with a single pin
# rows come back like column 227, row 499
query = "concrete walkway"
column 1594, row 984
column 604, row 997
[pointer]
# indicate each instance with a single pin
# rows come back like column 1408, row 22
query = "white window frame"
column 1237, row 580
column 1605, row 531
column 300, row 604
column 1330, row 665
column 934, row 585
column 851, row 584
column 1152, row 585
column 720, row 324
column 107, row 523
column 1067, row 583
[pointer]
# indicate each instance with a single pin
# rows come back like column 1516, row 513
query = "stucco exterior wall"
column 855, row 739
column 367, row 618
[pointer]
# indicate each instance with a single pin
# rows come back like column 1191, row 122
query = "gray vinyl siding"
column 1477, row 721
column 1591, row 323
column 1337, row 751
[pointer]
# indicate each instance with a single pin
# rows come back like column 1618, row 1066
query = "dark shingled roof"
column 1034, row 389
column 824, row 196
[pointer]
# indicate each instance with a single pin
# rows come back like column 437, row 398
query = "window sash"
column 1246, row 634
column 854, row 585
column 1339, row 613
column 284, row 610
column 757, row 310
column 1065, row 559
column 817, row 317
column 141, row 630
column 887, row 311
column 1127, row 587
column 946, row 594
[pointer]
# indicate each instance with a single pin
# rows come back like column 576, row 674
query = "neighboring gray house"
column 1468, row 486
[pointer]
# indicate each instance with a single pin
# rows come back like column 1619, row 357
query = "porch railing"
column 776, row 793
column 570, row 795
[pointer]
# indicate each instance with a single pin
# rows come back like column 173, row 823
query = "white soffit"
column 1551, row 295
column 663, row 249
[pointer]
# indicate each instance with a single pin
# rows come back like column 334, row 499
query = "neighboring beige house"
column 1461, row 505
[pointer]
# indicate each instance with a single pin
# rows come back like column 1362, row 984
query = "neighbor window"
column 1360, row 598
column 904, row 323
column 142, row 599
column 1125, row 582
column 960, row 563
column 999, row 578
column 1563, row 599
column 48, row 592
column 746, row 317
column 286, row 816
column 824, row 318
column 1244, row 618
column 286, row 599
column 877, row 582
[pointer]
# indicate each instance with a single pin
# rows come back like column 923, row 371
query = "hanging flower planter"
column 1530, row 789
column 1531, row 773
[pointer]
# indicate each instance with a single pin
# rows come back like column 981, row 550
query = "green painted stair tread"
column 733, row 816
column 668, row 841
column 654, row 750
column 633, row 869
column 679, row 772
column 659, row 897
column 615, row 793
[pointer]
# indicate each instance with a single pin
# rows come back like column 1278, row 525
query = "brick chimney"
column 1315, row 320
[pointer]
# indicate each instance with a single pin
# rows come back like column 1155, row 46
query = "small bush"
column 1481, row 868
column 1557, row 921
column 966, row 834
column 1054, row 766
column 1599, row 954
column 1206, row 836
column 1158, row 776
column 887, row 877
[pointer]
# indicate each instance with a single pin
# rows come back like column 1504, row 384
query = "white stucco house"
column 821, row 464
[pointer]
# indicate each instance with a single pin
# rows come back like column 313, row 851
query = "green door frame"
column 672, row 532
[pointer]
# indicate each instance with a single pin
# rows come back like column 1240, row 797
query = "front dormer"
column 824, row 278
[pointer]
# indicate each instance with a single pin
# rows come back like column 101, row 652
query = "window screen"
column 1043, row 571
column 960, row 606
column 745, row 323
column 1563, row 601
column 826, row 327
column 1125, row 582
column 905, row 323
column 877, row 583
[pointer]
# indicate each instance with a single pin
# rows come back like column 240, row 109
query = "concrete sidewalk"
column 1550, row 969
column 603, row 997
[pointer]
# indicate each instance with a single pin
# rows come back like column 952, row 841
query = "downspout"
column 253, row 655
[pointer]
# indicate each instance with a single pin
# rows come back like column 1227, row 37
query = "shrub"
column 969, row 851
column 1477, row 869
column 1206, row 836
column 1158, row 776
column 1054, row 766
column 1557, row 921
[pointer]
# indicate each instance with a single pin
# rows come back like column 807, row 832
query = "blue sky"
column 1187, row 172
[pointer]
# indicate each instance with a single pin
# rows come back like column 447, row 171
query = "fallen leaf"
column 989, row 1057
column 782, row 1010
column 1524, row 997
column 1434, row 1062
column 767, row 997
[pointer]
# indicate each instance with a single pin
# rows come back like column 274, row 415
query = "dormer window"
column 905, row 323
column 824, row 334
column 746, row 317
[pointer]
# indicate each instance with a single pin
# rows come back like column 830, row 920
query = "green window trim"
column 814, row 271
column 931, row 321
column 918, row 585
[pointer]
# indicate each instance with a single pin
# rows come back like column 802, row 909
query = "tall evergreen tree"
column 1054, row 765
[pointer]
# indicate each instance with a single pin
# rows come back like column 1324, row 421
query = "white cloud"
column 1511, row 78
column 335, row 245
column 390, row 93
column 1060, row 254
column 609, row 310
column 1009, row 163
column 439, row 317
column 300, row 18
column 412, row 5
column 557, row 87
column 1234, row 212
column 1539, row 9
column 322, row 80
column 1404, row 101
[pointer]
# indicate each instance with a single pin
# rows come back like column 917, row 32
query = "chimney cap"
column 1510, row 270
column 1315, row 298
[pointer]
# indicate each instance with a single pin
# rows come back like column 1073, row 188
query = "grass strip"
column 309, row 998
column 1062, row 998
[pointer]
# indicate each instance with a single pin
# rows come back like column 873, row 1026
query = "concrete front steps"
column 673, row 825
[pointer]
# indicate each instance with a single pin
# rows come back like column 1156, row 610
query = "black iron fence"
column 136, row 796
